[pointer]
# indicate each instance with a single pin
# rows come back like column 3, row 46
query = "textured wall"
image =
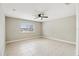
column 13, row 32
column 64, row 29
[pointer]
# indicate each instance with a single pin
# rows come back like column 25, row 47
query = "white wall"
column 2, row 32
column 64, row 29
column 77, row 27
column 13, row 31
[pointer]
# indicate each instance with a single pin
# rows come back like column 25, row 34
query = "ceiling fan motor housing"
column 39, row 15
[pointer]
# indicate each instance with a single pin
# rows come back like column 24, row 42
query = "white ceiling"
column 26, row 10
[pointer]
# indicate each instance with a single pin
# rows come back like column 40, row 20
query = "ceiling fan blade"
column 36, row 17
column 45, row 16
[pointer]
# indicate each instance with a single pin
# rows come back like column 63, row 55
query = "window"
column 26, row 27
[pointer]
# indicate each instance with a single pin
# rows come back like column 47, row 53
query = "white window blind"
column 26, row 27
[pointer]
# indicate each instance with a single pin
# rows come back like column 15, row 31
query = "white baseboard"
column 22, row 39
column 52, row 38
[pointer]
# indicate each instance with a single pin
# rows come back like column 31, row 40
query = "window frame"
column 27, row 25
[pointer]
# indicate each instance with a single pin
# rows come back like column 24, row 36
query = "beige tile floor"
column 39, row 47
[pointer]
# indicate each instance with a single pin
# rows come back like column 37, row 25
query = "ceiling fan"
column 40, row 14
